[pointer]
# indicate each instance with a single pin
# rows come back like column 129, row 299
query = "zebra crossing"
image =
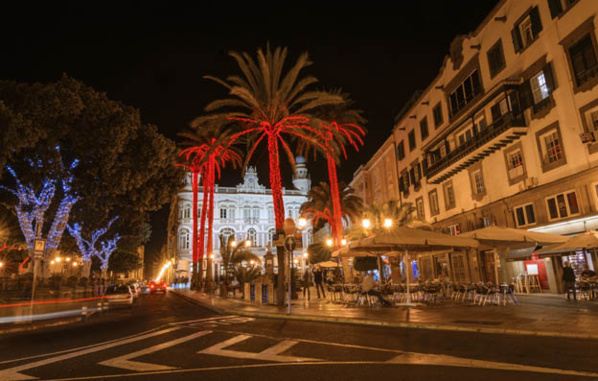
column 195, row 345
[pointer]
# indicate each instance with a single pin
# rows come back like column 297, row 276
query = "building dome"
column 299, row 160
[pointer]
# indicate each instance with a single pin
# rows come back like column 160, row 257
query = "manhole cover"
column 477, row 322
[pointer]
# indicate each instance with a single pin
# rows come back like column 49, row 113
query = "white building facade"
column 245, row 211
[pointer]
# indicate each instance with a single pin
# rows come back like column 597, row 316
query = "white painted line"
column 413, row 358
column 124, row 362
column 78, row 348
column 14, row 372
column 265, row 365
column 269, row 354
column 204, row 319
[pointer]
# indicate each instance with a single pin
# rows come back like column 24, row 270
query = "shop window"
column 524, row 215
column 438, row 118
column 433, row 198
column 419, row 207
column 423, row 128
column 412, row 143
column 562, row 205
column 527, row 30
column 496, row 59
column 449, row 195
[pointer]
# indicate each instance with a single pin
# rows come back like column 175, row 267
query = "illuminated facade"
column 506, row 134
column 245, row 211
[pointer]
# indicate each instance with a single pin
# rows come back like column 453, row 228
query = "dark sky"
column 152, row 55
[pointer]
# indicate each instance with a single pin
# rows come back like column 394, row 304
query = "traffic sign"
column 289, row 243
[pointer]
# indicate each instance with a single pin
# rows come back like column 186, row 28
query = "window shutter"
column 425, row 167
column 412, row 176
column 534, row 16
column 419, row 171
column 401, row 185
column 515, row 106
column 549, row 76
column 495, row 110
column 526, row 95
column 517, row 43
column 555, row 8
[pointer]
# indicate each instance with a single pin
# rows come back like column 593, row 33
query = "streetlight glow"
column 233, row 243
column 366, row 223
column 329, row 242
column 75, row 264
column 247, row 243
column 387, row 222
column 58, row 259
column 68, row 259
column 212, row 256
column 343, row 242
column 1, row 264
column 51, row 262
column 305, row 255
column 302, row 222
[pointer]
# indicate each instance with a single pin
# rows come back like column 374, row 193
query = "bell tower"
column 301, row 181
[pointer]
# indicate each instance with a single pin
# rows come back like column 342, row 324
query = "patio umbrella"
column 406, row 239
column 587, row 240
column 328, row 264
column 502, row 237
column 505, row 239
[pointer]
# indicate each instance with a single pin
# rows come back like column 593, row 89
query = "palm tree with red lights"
column 340, row 128
column 209, row 150
column 273, row 107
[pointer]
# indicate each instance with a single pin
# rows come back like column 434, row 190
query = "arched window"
column 252, row 236
column 271, row 233
column 227, row 232
column 184, row 239
column 256, row 214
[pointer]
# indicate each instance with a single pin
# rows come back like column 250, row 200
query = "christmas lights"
column 89, row 247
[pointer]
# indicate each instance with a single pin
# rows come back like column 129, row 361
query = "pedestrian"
column 588, row 274
column 318, row 280
column 308, row 281
column 569, row 281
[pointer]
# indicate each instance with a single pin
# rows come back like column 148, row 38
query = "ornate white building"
column 245, row 211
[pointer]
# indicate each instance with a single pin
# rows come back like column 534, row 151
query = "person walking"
column 318, row 279
column 308, row 281
column 569, row 281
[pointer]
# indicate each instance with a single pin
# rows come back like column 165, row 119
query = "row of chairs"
column 484, row 293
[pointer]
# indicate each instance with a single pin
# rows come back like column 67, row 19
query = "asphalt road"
column 167, row 338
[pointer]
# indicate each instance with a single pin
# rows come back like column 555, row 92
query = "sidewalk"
column 535, row 315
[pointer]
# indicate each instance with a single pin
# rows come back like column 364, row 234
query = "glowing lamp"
column 68, row 259
column 1, row 264
column 58, row 259
column 305, row 255
column 211, row 256
column 366, row 223
column 233, row 243
column 302, row 222
column 248, row 243
column 74, row 264
column 329, row 242
column 343, row 242
column 387, row 223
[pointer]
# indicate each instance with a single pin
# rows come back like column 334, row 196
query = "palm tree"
column 340, row 128
column 210, row 149
column 401, row 215
column 319, row 206
column 273, row 107
column 232, row 252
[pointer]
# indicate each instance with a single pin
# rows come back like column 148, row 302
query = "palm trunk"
column 278, row 205
column 202, row 230
column 210, row 242
column 337, row 213
column 195, row 187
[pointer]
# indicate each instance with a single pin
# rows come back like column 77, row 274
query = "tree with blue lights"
column 34, row 201
column 94, row 247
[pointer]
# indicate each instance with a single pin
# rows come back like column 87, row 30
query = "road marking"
column 77, row 348
column 204, row 319
column 124, row 362
column 269, row 354
column 265, row 365
column 14, row 372
column 413, row 358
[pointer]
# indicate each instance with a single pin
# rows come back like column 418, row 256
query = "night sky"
column 152, row 55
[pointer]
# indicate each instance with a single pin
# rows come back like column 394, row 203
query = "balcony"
column 494, row 137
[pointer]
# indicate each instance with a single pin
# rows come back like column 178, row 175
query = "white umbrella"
column 406, row 239
column 587, row 240
column 328, row 264
column 502, row 237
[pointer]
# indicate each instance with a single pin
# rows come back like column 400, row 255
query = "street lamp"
column 233, row 243
column 329, row 242
column 247, row 243
column 387, row 223
column 68, row 259
column 58, row 259
column 1, row 264
column 366, row 223
column 302, row 222
column 343, row 242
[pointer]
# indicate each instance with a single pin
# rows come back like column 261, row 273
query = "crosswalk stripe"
column 124, row 362
column 269, row 354
column 13, row 373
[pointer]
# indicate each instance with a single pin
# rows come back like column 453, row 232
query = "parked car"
column 144, row 288
column 157, row 287
column 119, row 294
column 135, row 289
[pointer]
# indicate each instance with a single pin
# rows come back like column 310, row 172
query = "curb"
column 379, row 323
